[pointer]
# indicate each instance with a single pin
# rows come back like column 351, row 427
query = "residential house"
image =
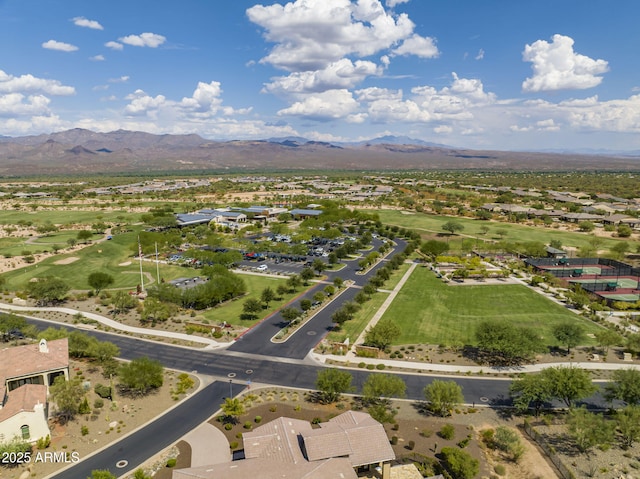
column 293, row 449
column 26, row 372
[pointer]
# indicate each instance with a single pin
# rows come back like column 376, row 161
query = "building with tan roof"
column 26, row 372
column 287, row 448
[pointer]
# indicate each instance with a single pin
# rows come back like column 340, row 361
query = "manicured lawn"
column 231, row 311
column 515, row 232
column 352, row 328
column 431, row 312
column 65, row 216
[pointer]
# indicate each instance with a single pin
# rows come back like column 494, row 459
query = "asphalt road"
column 256, row 359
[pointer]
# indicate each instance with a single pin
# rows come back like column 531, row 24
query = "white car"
column 262, row 267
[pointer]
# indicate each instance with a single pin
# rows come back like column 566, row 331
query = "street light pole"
column 230, row 388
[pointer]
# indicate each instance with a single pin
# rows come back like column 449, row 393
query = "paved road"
column 136, row 448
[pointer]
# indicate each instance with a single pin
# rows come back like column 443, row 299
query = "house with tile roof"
column 293, row 449
column 26, row 372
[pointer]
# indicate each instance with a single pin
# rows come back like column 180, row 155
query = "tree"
column 103, row 351
column 624, row 386
column 294, row 282
column 267, row 295
column 338, row 282
column 459, row 463
column 332, row 383
column 569, row 333
column 340, row 317
column 306, row 274
column 318, row 265
column 141, row 375
column 232, row 408
column 452, row 227
column 290, row 313
column 378, row 386
column 506, row 344
column 251, row 307
column 589, row 429
column 569, row 384
column 443, row 396
column 48, row 290
column 99, row 280
column 531, row 390
column 84, row 235
column 624, row 231
column 607, row 338
column 122, row 302
column 586, row 226
column 155, row 310
column 67, row 396
column 628, row 422
column 383, row 334
column 434, row 248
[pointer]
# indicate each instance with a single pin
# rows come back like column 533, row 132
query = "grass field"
column 231, row 311
column 431, row 312
column 515, row 232
column 65, row 216
column 352, row 328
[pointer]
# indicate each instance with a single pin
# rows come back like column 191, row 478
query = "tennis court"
column 631, row 297
column 623, row 283
column 592, row 269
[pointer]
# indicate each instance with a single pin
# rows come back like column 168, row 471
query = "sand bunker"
column 69, row 260
column 126, row 263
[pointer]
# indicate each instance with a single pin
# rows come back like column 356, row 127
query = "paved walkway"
column 387, row 302
column 108, row 322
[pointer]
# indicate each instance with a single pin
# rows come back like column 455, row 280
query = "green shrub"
column 500, row 470
column 459, row 463
column 362, row 365
column 172, row 462
column 394, row 440
column 411, row 445
column 43, row 442
column 370, row 367
column 380, row 366
column 233, row 445
column 84, row 407
column 98, row 403
column 103, row 391
column 84, row 430
column 447, row 432
column 248, row 425
column 426, row 433
column 258, row 419
column 228, row 426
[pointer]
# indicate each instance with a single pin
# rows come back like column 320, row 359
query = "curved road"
column 252, row 358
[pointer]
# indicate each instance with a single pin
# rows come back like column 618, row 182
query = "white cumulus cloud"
column 556, row 66
column 86, row 23
column 114, row 45
column 311, row 34
column 393, row 3
column 29, row 83
column 324, row 106
column 337, row 75
column 151, row 40
column 97, row 58
column 423, row 47
column 59, row 46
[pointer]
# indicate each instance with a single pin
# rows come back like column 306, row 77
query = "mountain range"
column 80, row 151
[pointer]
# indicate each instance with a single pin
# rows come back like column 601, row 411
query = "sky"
column 490, row 74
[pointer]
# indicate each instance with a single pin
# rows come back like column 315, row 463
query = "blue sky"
column 498, row 74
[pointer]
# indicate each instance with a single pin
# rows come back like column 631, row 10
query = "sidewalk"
column 392, row 365
column 110, row 323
